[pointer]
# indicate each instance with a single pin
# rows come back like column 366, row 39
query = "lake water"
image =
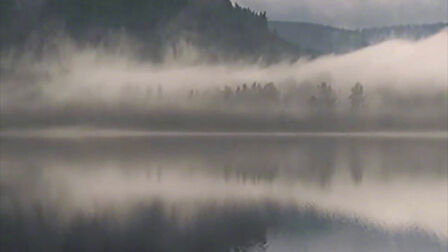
column 237, row 192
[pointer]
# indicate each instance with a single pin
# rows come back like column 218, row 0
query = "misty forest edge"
column 224, row 32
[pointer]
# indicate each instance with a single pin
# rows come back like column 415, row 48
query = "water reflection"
column 224, row 194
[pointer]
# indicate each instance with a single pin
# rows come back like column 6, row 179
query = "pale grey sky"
column 353, row 13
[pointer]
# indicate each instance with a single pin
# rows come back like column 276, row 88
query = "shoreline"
column 89, row 132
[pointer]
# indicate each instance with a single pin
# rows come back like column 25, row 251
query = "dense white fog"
column 67, row 77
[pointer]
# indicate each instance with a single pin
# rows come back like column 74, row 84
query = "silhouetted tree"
column 356, row 97
column 326, row 97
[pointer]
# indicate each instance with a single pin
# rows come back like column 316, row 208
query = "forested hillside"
column 412, row 32
column 324, row 39
column 216, row 27
column 321, row 39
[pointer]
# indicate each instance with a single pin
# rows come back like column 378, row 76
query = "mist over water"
column 402, row 78
column 102, row 150
column 241, row 192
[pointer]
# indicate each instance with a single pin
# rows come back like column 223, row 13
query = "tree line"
column 322, row 99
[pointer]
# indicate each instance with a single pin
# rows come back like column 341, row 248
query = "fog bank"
column 71, row 78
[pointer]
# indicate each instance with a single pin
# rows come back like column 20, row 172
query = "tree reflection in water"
column 232, row 193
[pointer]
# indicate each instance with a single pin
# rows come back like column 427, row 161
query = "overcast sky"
column 353, row 13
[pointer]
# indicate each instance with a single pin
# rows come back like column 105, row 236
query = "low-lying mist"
column 405, row 86
column 401, row 183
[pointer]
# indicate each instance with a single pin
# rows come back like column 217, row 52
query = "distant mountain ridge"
column 412, row 32
column 324, row 39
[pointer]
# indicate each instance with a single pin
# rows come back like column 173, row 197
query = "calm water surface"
column 223, row 193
